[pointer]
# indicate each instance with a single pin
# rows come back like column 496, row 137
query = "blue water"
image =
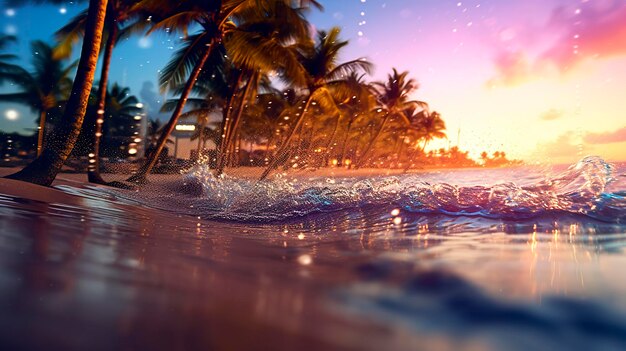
column 527, row 258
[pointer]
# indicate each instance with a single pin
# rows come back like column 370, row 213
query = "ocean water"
column 527, row 258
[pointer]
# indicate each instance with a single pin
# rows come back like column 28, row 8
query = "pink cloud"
column 616, row 136
column 573, row 34
column 595, row 29
column 511, row 68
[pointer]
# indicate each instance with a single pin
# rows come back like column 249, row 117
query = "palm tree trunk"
column 330, row 142
column 344, row 145
column 372, row 142
column 204, row 140
column 237, row 153
column 40, row 134
column 201, row 125
column 284, row 148
column 200, row 137
column 397, row 150
column 410, row 156
column 93, row 171
column 226, row 123
column 425, row 143
column 308, row 141
column 235, row 123
column 142, row 173
column 270, row 140
column 46, row 166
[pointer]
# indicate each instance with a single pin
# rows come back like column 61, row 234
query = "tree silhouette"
column 44, row 88
column 45, row 167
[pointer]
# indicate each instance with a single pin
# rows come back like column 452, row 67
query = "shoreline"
column 67, row 177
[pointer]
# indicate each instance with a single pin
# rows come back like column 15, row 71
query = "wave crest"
column 579, row 190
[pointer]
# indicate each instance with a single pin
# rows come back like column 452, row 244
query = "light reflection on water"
column 119, row 276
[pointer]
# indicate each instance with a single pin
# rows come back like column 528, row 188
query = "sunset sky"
column 539, row 79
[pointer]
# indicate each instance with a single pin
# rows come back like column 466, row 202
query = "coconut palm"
column 260, row 44
column 42, row 89
column 203, row 134
column 272, row 112
column 321, row 70
column 215, row 20
column 45, row 167
column 155, row 127
column 122, row 20
column 210, row 95
column 484, row 156
column 393, row 96
column 431, row 126
column 119, row 113
column 120, row 125
column 358, row 102
column 200, row 109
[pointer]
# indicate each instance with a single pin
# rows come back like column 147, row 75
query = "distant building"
column 182, row 141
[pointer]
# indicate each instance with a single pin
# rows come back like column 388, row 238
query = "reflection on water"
column 101, row 274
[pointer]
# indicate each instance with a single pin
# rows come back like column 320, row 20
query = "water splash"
column 578, row 190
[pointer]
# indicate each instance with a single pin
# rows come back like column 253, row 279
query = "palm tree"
column 321, row 70
column 45, row 167
column 358, row 103
column 120, row 112
column 215, row 20
column 272, row 112
column 122, row 20
column 259, row 44
column 431, row 126
column 203, row 134
column 393, row 96
column 44, row 88
column 484, row 156
column 119, row 126
column 211, row 95
column 155, row 129
column 201, row 108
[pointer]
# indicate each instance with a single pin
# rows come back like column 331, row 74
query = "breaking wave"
column 581, row 189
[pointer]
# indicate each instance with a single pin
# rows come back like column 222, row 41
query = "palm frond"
column 192, row 103
column 69, row 35
column 134, row 26
column 183, row 61
column 178, row 22
column 20, row 98
column 344, row 70
column 256, row 53
column 6, row 40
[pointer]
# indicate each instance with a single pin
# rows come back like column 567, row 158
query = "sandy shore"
column 71, row 178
